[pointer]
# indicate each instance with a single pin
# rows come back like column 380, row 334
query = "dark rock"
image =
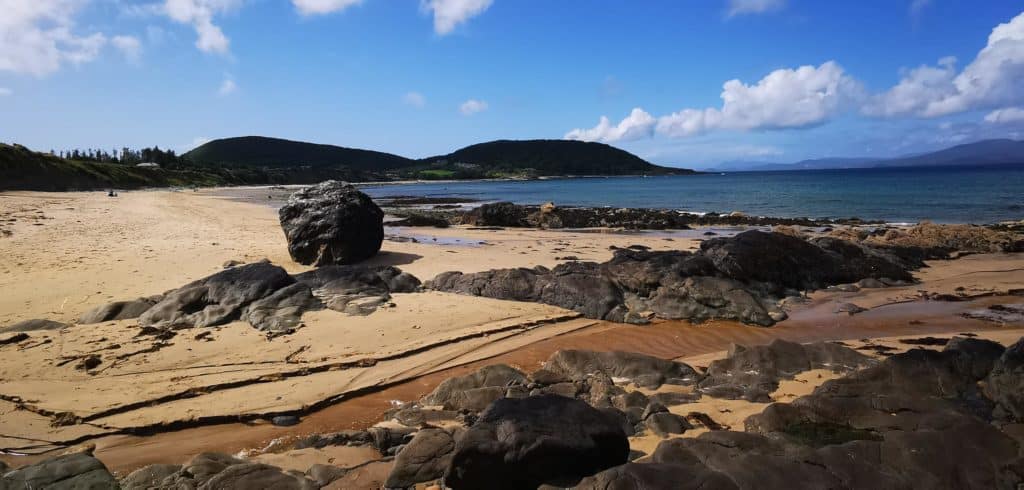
column 248, row 476
column 285, row 420
column 631, row 399
column 33, row 326
column 526, row 442
column 331, row 223
column 386, row 438
column 672, row 398
column 658, row 476
column 1005, row 384
column 424, row 459
column 580, row 364
column 476, row 390
column 14, row 339
column 217, row 299
column 740, row 278
column 118, row 310
column 665, row 423
column 343, row 438
column 281, row 311
column 849, row 309
column 418, row 219
column 753, row 373
column 324, row 474
column 204, row 466
column 148, row 477
column 89, row 362
column 357, row 290
column 70, row 471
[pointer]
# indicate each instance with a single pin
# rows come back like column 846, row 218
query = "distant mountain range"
column 494, row 159
column 986, row 152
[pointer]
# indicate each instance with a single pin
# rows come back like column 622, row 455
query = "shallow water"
column 899, row 195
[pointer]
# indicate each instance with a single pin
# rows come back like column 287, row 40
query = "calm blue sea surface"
column 945, row 195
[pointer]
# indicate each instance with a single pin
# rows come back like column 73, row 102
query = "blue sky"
column 418, row 78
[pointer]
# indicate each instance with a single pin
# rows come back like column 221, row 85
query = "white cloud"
column 319, row 7
column 200, row 14
column 4, row 91
column 991, row 80
column 450, row 13
column 129, row 46
column 472, row 106
column 37, row 37
column 742, row 7
column 196, row 142
column 786, row 98
column 917, row 89
column 638, row 124
column 227, row 87
column 1005, row 116
column 414, row 99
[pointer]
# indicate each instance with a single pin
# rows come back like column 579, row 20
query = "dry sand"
column 68, row 252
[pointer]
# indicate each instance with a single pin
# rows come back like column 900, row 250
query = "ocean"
column 898, row 195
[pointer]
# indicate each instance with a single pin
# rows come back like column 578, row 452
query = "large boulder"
column 424, row 459
column 526, row 442
column 332, row 223
column 475, row 391
column 78, row 471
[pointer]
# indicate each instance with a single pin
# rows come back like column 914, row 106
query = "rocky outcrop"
column 70, row 471
column 738, row 278
column 526, row 442
column 753, row 373
column 210, row 471
column 507, row 214
column 940, row 240
column 914, row 420
column 266, row 296
column 475, row 391
column 331, row 223
column 217, row 299
column 1005, row 384
column 425, row 458
column 648, row 371
column 118, row 310
column 33, row 326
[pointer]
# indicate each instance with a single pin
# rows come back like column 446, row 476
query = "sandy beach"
column 164, row 400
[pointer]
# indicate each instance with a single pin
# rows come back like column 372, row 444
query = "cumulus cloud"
column 472, row 106
column 227, row 87
column 991, row 80
column 199, row 14
column 1005, row 116
column 129, row 46
column 743, row 7
column 37, row 37
column 450, row 13
column 785, row 98
column 414, row 99
column 638, row 124
column 319, row 7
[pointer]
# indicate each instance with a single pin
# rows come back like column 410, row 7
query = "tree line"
column 125, row 156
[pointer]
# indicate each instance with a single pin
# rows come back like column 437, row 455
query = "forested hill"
column 260, row 151
column 555, row 157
